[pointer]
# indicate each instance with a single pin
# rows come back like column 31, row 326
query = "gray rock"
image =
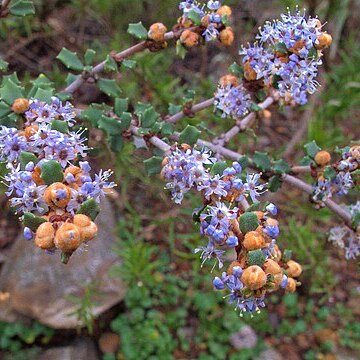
column 245, row 338
column 81, row 349
column 39, row 284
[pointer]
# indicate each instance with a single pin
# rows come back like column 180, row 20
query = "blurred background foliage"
column 170, row 310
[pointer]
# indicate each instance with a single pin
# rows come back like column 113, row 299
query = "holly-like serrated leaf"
column 120, row 106
column 312, row 148
column 262, row 161
column 329, row 173
column 51, row 172
column 89, row 208
column 174, row 109
column 109, row 87
column 153, row 165
column 281, row 167
column 10, row 91
column 281, row 48
column 110, row 125
column 195, row 17
column 25, row 157
column 180, row 50
column 236, row 69
column 167, row 129
column 138, row 31
column 44, row 95
column 60, row 125
column 22, row 8
column 32, row 221
column 244, row 161
column 190, row 135
column 274, row 183
column 149, row 117
column 89, row 57
column 306, row 161
column 255, row 107
column 254, row 207
column 128, row 64
column 287, row 255
column 256, row 257
column 116, row 143
column 93, row 114
column 5, row 109
column 356, row 220
column 218, row 168
column 248, row 222
column 3, row 65
column 70, row 60
column 110, row 64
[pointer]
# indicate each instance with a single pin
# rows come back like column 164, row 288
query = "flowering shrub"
column 50, row 182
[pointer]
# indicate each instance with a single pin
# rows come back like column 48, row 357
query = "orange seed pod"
column 44, row 236
column 254, row 277
column 253, row 240
column 67, row 238
column 322, row 158
column 157, row 32
column 189, row 38
column 294, row 269
column 57, row 195
column 227, row 36
column 20, row 105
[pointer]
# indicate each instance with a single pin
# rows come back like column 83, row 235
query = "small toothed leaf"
column 138, row 31
column 89, row 208
column 218, row 168
column 329, row 173
column 89, row 56
column 287, row 255
column 51, row 172
column 60, row 125
column 3, row 65
column 22, row 8
column 25, row 157
column 281, row 167
column 189, row 135
column 274, row 183
column 256, row 257
column 195, row 17
column 32, row 221
column 149, row 117
column 120, row 106
column 262, row 161
column 70, row 60
column 312, row 149
column 109, row 87
column 248, row 222
column 153, row 165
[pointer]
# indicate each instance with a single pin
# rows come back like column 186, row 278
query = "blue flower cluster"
column 346, row 238
column 223, row 195
column 342, row 182
column 232, row 101
column 287, row 56
column 211, row 16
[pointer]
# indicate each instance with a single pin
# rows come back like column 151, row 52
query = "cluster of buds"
column 337, row 178
column 346, row 238
column 48, row 183
column 207, row 22
column 284, row 63
column 259, row 266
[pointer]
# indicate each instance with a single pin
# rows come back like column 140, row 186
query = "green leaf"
column 356, row 220
column 32, row 221
column 287, row 255
column 313, row 53
column 281, row 167
column 195, row 17
column 60, row 125
column 22, row 8
column 3, row 65
column 281, row 48
column 116, row 143
column 110, row 64
column 255, row 107
column 248, row 222
column 138, row 30
column 274, row 183
column 153, row 165
column 180, row 50
column 262, row 161
column 174, row 109
column 128, row 64
column 10, row 91
column 89, row 208
column 110, row 125
column 306, row 160
column 312, row 148
column 256, row 257
column 51, row 172
column 149, row 117
column 70, row 60
column 44, row 95
column 218, row 168
column 236, row 69
column 25, row 157
column 109, row 87
column 89, row 56
column 5, row 109
column 92, row 114
column 244, row 161
column 254, row 207
column 167, row 129
column 275, row 81
column 189, row 135
column 125, row 120
column 121, row 105
column 329, row 173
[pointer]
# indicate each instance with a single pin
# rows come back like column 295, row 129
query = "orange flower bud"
column 278, row 280
column 20, row 105
column 74, row 170
column 298, row 46
column 271, row 222
column 323, row 41
column 228, row 80
column 294, row 269
column 88, row 229
column 249, row 73
column 67, row 238
column 253, row 240
column 44, row 237
column 259, row 214
column 254, row 277
column 205, row 21
column 57, row 195
column 157, row 32
column 278, row 254
column 224, row 10
column 189, row 38
column 36, row 176
column 271, row 267
column 291, row 285
column 227, row 36
column 322, row 158
column 30, row 131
